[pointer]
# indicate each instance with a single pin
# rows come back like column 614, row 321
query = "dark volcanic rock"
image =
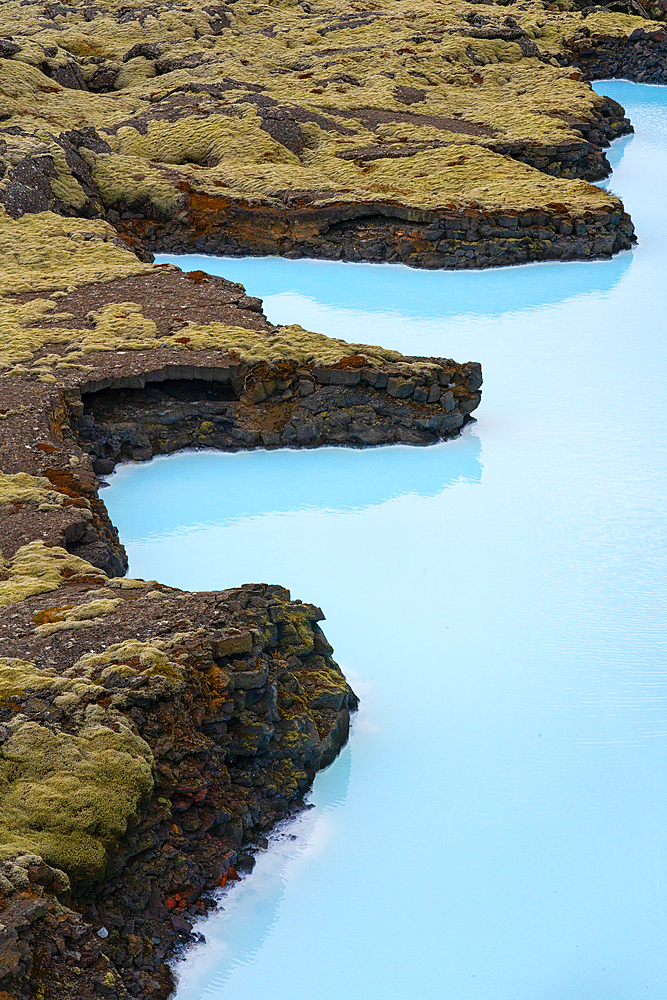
column 245, row 706
column 181, row 726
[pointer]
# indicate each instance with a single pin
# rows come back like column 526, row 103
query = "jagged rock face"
column 230, row 407
column 441, row 137
column 641, row 57
column 151, row 738
column 281, row 406
column 350, row 404
column 234, row 703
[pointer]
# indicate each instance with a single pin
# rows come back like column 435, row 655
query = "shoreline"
column 189, row 723
column 222, row 705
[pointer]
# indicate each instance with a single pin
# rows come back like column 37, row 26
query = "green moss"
column 201, row 143
column 288, row 343
column 69, row 797
column 81, row 616
column 296, row 635
column 20, row 677
column 122, row 326
column 430, row 47
column 134, row 657
column 131, row 181
column 22, row 488
column 37, row 569
column 45, row 252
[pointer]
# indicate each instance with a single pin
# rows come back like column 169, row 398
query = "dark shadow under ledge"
column 174, row 728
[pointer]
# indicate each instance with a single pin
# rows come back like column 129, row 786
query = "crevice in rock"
column 134, row 424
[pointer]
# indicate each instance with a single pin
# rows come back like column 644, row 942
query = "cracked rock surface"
column 448, row 135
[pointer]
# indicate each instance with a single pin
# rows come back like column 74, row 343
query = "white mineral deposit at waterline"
column 497, row 828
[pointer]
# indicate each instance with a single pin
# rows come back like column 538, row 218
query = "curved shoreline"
column 222, row 705
column 380, row 233
column 201, row 719
column 483, row 164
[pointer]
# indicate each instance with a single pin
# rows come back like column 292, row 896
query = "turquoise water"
column 497, row 827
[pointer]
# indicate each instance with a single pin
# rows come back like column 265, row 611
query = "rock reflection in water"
column 185, row 532
column 503, row 833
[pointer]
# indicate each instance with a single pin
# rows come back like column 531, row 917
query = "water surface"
column 497, row 827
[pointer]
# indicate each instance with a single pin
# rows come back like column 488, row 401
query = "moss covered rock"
column 285, row 129
column 68, row 797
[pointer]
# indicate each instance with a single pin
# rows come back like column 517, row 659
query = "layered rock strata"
column 382, row 232
column 148, row 739
column 151, row 738
column 452, row 135
column 285, row 405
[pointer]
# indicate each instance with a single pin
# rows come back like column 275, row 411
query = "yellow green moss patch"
column 79, row 617
column 22, row 488
column 134, row 656
column 44, row 252
column 37, row 569
column 287, row 343
column 69, row 797
column 122, row 326
column 132, row 180
column 19, row 677
column 328, row 64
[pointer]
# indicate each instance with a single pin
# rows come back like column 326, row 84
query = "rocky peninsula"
column 447, row 134
column 150, row 738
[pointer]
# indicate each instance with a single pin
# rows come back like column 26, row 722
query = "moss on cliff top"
column 122, row 326
column 22, row 488
column 45, row 252
column 48, row 253
column 19, row 678
column 194, row 88
column 37, row 569
column 151, row 658
column 455, row 175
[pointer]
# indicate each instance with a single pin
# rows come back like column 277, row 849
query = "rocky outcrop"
column 230, row 702
column 239, row 407
column 639, row 56
column 382, row 232
column 82, row 406
column 267, row 406
column 438, row 138
column 151, row 738
column 139, row 410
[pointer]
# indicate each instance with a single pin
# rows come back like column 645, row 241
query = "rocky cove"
column 495, row 826
column 185, row 725
column 152, row 737
column 240, row 703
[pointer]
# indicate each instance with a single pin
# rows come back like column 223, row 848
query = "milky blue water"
column 497, row 827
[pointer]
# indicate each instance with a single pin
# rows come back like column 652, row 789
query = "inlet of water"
column 497, row 827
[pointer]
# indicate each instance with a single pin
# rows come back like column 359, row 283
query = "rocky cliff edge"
column 151, row 738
